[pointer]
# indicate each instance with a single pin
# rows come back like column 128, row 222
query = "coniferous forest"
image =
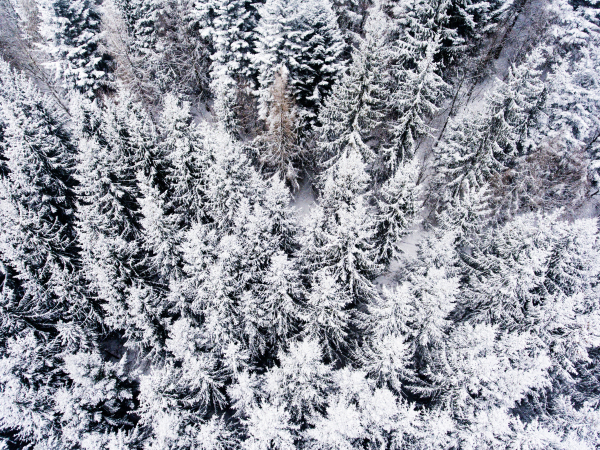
column 299, row 224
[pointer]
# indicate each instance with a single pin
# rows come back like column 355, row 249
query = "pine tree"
column 299, row 384
column 481, row 146
column 304, row 37
column 82, row 63
column 183, row 148
column 475, row 20
column 419, row 24
column 28, row 380
column 327, row 319
column 398, row 209
column 480, row 369
column 415, row 100
column 358, row 415
column 356, row 106
column 241, row 286
column 279, row 146
column 38, row 201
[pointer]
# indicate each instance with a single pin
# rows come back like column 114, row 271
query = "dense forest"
column 299, row 224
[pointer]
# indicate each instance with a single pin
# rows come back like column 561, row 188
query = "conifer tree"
column 327, row 319
column 419, row 24
column 83, row 65
column 184, row 406
column 111, row 153
column 415, row 100
column 356, row 106
column 534, row 276
column 279, row 146
column 340, row 234
column 232, row 66
column 304, row 37
column 474, row 20
column 235, row 38
column 183, row 149
column 358, row 415
column 38, row 200
column 479, row 147
column 297, row 387
column 241, row 285
column 45, row 313
column 398, row 208
column 96, row 403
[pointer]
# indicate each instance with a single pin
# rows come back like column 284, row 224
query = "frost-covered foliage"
column 168, row 280
column 304, row 37
column 74, row 30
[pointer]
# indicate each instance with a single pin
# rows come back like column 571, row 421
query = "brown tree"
column 279, row 148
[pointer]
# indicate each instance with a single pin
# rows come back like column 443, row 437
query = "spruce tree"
column 479, row 147
column 304, row 37
column 83, row 65
column 111, row 154
column 46, row 315
column 356, row 106
column 38, row 198
column 235, row 38
column 398, row 209
column 416, row 99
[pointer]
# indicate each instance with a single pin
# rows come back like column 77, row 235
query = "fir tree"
column 82, row 63
column 356, row 106
column 398, row 208
column 304, row 37
column 279, row 146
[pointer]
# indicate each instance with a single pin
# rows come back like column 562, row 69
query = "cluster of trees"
column 159, row 291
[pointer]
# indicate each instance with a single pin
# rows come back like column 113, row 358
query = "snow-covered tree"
column 28, row 380
column 340, row 235
column 76, row 44
column 481, row 368
column 359, row 415
column 398, row 209
column 234, row 38
column 182, row 146
column 38, row 201
column 305, row 38
column 279, row 147
column 111, row 154
column 419, row 91
column 535, row 275
column 481, row 145
column 357, row 104
column 474, row 20
column 327, row 319
column 178, row 412
column 96, row 402
column 418, row 25
column 241, row 284
column 299, row 384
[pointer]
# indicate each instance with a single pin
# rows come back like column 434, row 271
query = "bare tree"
column 279, row 148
